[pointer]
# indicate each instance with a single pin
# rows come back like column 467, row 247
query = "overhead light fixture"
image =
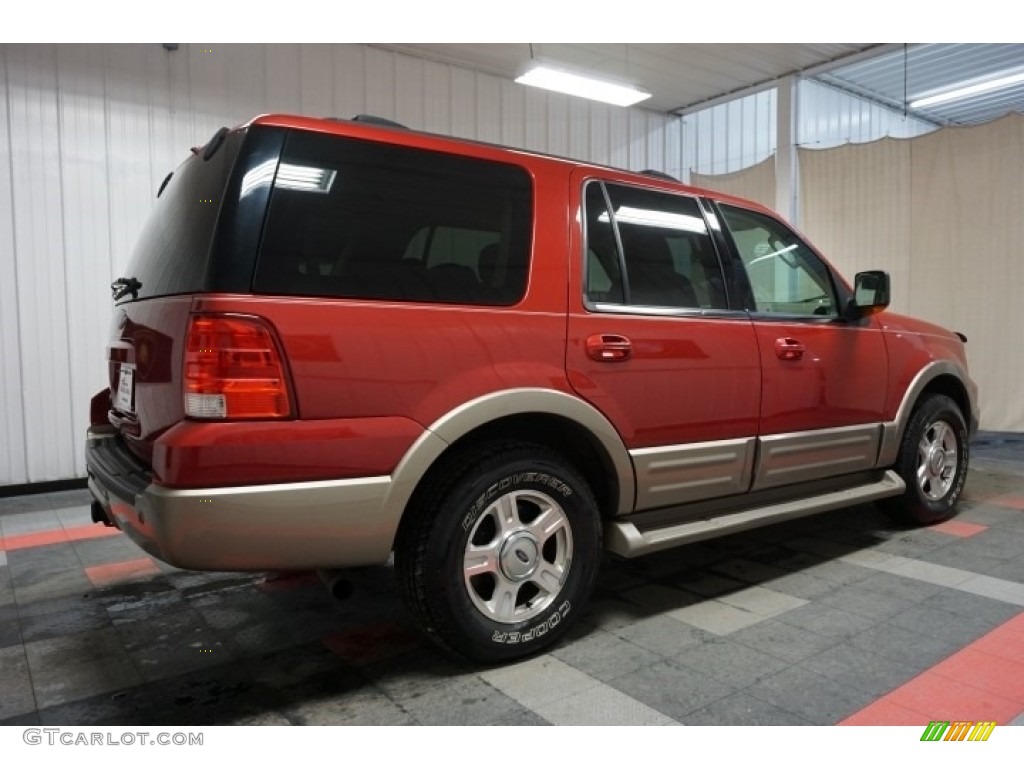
column 553, row 79
column 974, row 89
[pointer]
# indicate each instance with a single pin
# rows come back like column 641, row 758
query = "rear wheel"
column 501, row 552
column 932, row 462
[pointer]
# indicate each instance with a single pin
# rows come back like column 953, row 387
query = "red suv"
column 342, row 339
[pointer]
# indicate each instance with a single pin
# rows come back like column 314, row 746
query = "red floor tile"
column 1002, row 676
column 982, row 681
column 1016, row 502
column 115, row 573
column 885, row 712
column 58, row 536
column 959, row 528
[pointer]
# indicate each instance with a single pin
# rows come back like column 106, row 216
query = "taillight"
column 233, row 370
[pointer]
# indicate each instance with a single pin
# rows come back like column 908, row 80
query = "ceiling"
column 684, row 77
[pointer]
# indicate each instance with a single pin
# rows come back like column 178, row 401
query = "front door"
column 823, row 377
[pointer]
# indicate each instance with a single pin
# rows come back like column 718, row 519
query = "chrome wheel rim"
column 937, row 460
column 518, row 556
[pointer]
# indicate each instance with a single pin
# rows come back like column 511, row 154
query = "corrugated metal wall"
column 828, row 117
column 730, row 136
column 87, row 132
column 741, row 133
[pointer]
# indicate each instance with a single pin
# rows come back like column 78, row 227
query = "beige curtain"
column 944, row 214
column 755, row 183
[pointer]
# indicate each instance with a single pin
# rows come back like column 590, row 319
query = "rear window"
column 360, row 219
column 171, row 254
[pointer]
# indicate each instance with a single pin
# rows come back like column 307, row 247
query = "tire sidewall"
column 928, row 510
column 482, row 637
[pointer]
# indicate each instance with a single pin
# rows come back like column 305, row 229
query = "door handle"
column 609, row 348
column 788, row 348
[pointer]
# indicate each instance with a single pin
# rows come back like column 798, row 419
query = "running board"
column 624, row 538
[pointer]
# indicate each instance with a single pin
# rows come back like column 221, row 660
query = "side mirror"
column 870, row 293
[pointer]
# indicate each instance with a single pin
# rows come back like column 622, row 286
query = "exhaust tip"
column 99, row 515
column 340, row 587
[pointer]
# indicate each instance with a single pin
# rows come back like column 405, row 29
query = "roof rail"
column 659, row 175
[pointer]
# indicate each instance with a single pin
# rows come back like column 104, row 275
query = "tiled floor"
column 836, row 618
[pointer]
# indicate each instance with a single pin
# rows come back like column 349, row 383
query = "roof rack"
column 659, row 175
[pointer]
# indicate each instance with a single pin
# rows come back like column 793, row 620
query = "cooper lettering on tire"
column 932, row 462
column 500, row 551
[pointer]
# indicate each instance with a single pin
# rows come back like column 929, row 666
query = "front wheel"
column 932, row 462
column 501, row 553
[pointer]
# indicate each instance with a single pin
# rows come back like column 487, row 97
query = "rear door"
column 654, row 343
column 823, row 378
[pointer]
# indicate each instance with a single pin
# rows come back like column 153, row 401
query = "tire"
column 932, row 462
column 500, row 553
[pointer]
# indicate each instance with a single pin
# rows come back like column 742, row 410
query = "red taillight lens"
column 233, row 370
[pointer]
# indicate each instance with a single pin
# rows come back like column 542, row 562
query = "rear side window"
column 360, row 219
column 658, row 241
column 171, row 254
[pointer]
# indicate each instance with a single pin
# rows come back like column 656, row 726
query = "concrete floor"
column 837, row 618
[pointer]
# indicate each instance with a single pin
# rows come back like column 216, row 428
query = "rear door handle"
column 788, row 348
column 609, row 348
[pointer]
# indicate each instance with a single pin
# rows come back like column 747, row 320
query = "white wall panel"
column 88, row 132
column 731, row 136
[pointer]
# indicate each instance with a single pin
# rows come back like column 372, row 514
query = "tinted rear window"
column 171, row 254
column 360, row 219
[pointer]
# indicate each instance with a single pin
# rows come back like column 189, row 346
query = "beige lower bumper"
column 294, row 526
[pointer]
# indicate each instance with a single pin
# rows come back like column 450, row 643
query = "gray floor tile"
column 955, row 556
column 15, row 506
column 601, row 706
column 709, row 584
column 17, row 698
column 672, row 689
column 865, row 602
column 367, row 706
column 903, row 587
column 662, row 635
column 604, row 656
column 942, row 625
column 608, row 613
column 741, row 708
column 79, row 497
column 173, row 643
column 523, row 718
column 716, row 617
column 802, row 585
column 656, row 598
column 67, row 583
column 463, row 701
column 914, row 649
column 828, row 621
column 914, row 543
column 860, row 669
column 749, row 571
column 729, row 662
column 76, row 666
column 783, row 641
column 971, row 606
column 60, row 616
column 109, row 549
column 816, row 698
column 34, row 563
column 10, row 627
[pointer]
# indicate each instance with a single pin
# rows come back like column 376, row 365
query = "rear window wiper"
column 125, row 285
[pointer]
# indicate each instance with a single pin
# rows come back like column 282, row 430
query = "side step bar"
column 624, row 538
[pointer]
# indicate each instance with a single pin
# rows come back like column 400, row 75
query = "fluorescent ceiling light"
column 543, row 76
column 661, row 219
column 968, row 90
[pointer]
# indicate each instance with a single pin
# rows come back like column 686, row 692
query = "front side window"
column 360, row 219
column 649, row 249
column 786, row 277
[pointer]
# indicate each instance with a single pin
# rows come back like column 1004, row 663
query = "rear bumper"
column 286, row 526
